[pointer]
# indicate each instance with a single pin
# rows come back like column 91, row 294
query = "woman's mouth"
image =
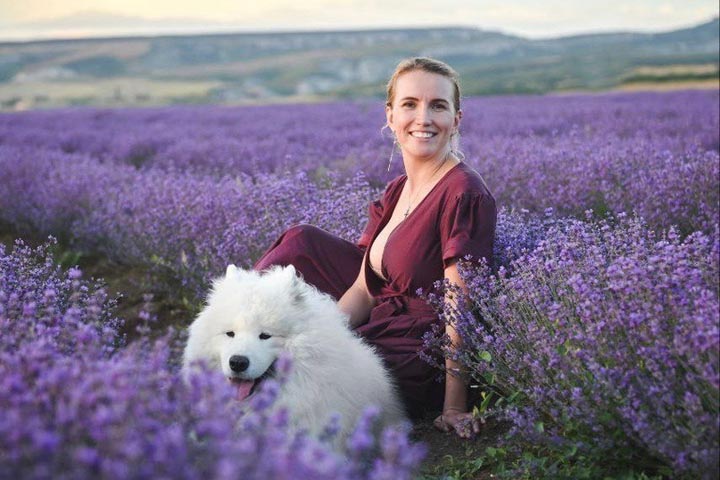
column 423, row 134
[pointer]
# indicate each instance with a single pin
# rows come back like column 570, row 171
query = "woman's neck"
column 422, row 171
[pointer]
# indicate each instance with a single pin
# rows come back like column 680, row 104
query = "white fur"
column 332, row 369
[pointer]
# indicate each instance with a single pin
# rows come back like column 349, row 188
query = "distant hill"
column 265, row 67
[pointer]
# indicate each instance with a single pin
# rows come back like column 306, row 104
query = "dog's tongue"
column 243, row 388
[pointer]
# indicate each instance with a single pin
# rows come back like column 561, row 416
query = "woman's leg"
column 328, row 262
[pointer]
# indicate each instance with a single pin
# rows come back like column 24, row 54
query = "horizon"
column 99, row 19
column 359, row 29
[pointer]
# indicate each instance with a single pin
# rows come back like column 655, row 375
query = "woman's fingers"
column 464, row 424
column 476, row 425
column 441, row 424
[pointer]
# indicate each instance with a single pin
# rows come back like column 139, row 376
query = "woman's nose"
column 423, row 115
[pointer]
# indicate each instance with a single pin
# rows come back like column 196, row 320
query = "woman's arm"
column 455, row 415
column 357, row 301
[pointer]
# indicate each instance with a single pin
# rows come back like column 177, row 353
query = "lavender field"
column 595, row 334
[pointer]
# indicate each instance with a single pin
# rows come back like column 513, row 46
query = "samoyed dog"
column 251, row 318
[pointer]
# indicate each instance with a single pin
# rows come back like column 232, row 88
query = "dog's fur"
column 332, row 371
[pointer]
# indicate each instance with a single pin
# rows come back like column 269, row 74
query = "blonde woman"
column 438, row 212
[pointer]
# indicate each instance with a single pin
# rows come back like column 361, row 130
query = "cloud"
column 76, row 18
column 98, row 19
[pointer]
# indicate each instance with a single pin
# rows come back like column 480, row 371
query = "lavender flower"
column 605, row 331
column 78, row 404
column 608, row 333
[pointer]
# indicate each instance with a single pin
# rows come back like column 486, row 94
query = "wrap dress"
column 456, row 219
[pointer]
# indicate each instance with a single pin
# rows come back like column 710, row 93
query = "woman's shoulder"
column 396, row 182
column 465, row 180
column 394, row 186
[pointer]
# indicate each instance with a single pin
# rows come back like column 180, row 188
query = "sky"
column 44, row 19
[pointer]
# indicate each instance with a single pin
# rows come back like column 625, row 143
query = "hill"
column 264, row 67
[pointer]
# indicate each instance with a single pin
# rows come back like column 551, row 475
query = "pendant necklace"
column 412, row 200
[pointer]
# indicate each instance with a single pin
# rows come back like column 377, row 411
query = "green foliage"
column 672, row 77
column 65, row 256
column 553, row 464
column 466, row 466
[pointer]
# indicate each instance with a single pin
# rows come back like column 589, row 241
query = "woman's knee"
column 291, row 245
column 302, row 232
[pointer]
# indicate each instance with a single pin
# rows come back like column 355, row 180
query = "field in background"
column 272, row 68
column 596, row 347
column 138, row 92
column 115, row 92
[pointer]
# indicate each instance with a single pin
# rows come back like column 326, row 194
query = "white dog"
column 252, row 317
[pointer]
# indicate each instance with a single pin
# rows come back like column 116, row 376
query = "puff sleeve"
column 467, row 227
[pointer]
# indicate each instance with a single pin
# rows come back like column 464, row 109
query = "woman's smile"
column 422, row 115
column 423, row 134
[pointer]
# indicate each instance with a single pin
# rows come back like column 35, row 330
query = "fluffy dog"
column 252, row 317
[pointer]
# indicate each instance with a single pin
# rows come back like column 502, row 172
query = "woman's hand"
column 463, row 423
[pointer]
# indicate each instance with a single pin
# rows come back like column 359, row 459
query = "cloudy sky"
column 36, row 19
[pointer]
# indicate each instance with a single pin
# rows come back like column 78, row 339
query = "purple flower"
column 606, row 334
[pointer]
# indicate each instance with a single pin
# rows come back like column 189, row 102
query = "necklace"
column 420, row 190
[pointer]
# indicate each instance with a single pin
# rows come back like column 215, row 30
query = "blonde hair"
column 429, row 65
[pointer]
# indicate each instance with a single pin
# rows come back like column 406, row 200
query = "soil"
column 447, row 453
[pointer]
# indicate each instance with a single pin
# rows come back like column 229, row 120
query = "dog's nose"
column 239, row 363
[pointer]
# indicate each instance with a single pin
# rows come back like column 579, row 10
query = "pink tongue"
column 244, row 388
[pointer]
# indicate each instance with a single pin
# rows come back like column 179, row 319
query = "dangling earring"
column 455, row 146
column 392, row 152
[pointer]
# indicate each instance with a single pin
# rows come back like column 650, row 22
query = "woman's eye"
column 408, row 104
column 439, row 106
column 265, row 336
column 230, row 334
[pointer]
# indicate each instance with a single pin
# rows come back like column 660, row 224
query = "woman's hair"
column 429, row 65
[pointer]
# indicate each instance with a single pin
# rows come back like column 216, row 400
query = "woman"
column 440, row 211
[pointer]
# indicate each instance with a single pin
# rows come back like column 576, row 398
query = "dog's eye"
column 265, row 336
column 230, row 334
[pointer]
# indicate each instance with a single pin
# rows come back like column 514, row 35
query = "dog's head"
column 249, row 319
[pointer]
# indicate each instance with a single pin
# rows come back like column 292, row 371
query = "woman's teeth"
column 422, row 134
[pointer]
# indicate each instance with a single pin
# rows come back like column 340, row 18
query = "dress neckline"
column 417, row 207
column 387, row 215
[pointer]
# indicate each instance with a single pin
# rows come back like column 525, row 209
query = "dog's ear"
column 238, row 274
column 297, row 287
column 233, row 271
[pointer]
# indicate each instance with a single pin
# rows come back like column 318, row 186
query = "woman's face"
column 422, row 114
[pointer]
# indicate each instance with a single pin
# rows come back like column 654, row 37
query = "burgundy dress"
column 455, row 219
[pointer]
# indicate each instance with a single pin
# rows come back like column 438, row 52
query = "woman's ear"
column 389, row 117
column 458, row 117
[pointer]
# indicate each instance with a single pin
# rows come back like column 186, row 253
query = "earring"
column 392, row 152
column 455, row 145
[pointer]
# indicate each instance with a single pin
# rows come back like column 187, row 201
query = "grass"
column 125, row 91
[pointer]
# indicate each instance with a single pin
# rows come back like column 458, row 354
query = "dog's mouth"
column 246, row 387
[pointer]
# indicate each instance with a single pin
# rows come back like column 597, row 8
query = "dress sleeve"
column 467, row 227
column 375, row 211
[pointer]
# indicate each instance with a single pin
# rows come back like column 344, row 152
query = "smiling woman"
column 422, row 120
column 440, row 211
